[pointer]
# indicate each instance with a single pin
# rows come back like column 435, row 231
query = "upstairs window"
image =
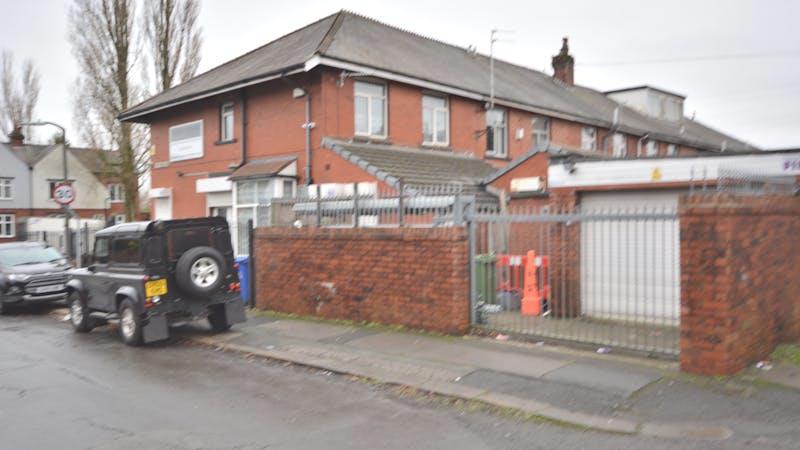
column 620, row 145
column 186, row 141
column 226, row 122
column 541, row 132
column 496, row 134
column 652, row 148
column 589, row 139
column 435, row 120
column 6, row 189
column 116, row 193
column 672, row 149
column 370, row 109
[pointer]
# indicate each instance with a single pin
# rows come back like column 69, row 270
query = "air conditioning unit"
column 527, row 184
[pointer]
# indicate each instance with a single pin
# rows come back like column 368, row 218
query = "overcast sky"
column 737, row 61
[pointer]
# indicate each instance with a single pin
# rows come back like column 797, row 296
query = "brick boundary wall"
column 415, row 277
column 740, row 280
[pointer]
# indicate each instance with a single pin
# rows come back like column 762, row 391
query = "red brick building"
column 280, row 117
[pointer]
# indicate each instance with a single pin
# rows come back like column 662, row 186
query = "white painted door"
column 162, row 209
column 630, row 269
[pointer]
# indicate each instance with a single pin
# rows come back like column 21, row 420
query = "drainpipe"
column 639, row 144
column 308, row 126
column 243, row 145
column 612, row 130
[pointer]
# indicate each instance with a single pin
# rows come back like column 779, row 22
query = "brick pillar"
column 740, row 282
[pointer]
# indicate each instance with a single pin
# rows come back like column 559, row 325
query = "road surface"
column 64, row 390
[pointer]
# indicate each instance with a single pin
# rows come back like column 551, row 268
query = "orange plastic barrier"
column 531, row 301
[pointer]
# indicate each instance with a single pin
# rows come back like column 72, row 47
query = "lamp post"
column 66, row 174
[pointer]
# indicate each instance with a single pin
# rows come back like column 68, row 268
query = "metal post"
column 251, row 264
column 473, row 288
column 401, row 204
column 458, row 210
column 319, row 206
column 355, row 205
column 78, row 241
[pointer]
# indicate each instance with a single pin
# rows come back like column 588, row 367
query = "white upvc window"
column 540, row 132
column 435, row 120
column 226, row 122
column 589, row 139
column 672, row 149
column 496, row 133
column 186, row 141
column 370, row 109
column 620, row 142
column 7, row 225
column 652, row 148
column 116, row 193
column 251, row 201
column 6, row 189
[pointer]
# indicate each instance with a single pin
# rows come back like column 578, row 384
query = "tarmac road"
column 64, row 390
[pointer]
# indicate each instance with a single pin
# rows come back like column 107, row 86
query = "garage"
column 630, row 268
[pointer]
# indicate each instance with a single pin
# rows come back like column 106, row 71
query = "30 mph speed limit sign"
column 64, row 194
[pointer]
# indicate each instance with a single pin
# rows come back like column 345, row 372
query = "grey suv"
column 149, row 275
column 31, row 272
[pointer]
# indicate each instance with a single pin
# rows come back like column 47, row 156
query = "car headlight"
column 18, row 277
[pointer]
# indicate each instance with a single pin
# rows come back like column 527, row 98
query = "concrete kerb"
column 528, row 407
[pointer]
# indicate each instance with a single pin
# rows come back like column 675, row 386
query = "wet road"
column 64, row 390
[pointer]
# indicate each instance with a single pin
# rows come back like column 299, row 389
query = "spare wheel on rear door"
column 200, row 271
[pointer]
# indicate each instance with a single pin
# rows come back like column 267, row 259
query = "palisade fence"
column 599, row 277
column 83, row 237
column 607, row 277
column 362, row 205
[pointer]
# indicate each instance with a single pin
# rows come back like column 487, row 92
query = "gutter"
column 291, row 70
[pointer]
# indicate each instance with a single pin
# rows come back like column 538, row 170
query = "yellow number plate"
column 155, row 287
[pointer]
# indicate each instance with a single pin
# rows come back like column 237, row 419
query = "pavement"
column 606, row 392
column 66, row 390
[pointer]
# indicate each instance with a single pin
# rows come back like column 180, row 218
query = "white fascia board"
column 669, row 170
column 213, row 93
column 214, row 184
column 290, row 170
column 318, row 60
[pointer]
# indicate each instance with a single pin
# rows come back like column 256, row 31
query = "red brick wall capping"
column 414, row 277
column 740, row 280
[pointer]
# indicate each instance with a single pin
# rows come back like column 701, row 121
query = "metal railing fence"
column 598, row 277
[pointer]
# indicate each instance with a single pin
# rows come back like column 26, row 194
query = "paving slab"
column 313, row 331
column 567, row 396
column 455, row 352
column 617, row 379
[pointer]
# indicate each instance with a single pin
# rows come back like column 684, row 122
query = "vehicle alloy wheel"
column 200, row 272
column 79, row 314
column 130, row 323
column 204, row 272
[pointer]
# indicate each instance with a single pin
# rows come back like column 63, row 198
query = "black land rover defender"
column 149, row 275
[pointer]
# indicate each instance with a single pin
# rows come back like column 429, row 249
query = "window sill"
column 436, row 146
column 226, row 142
column 368, row 138
column 497, row 157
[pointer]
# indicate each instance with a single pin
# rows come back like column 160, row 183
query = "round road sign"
column 64, row 194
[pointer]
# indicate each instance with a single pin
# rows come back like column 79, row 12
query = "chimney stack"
column 16, row 138
column 564, row 65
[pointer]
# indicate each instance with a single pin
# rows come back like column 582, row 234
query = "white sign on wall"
column 186, row 141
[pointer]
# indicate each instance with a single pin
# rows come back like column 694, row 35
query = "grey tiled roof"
column 417, row 168
column 350, row 38
column 29, row 154
column 95, row 160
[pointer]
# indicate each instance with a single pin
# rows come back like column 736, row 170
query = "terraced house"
column 349, row 99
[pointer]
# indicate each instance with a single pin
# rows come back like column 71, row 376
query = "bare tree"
column 174, row 37
column 105, row 43
column 17, row 102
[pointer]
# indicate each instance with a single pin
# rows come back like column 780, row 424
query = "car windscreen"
column 182, row 239
column 19, row 256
